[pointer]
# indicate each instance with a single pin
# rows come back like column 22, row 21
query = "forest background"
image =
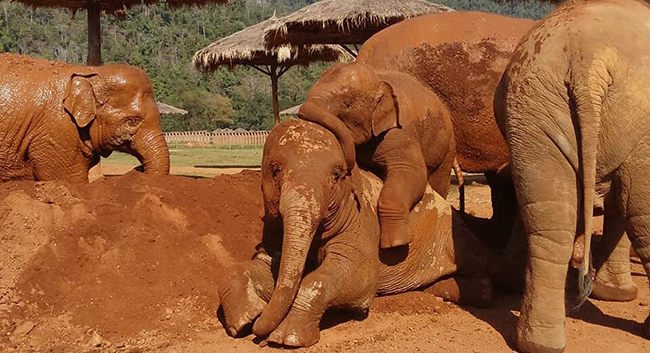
column 162, row 42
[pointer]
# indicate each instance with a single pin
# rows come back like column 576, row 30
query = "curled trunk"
column 151, row 150
column 311, row 111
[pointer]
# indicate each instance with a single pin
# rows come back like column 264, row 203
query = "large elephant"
column 321, row 222
column 400, row 128
column 58, row 119
column 573, row 105
column 460, row 56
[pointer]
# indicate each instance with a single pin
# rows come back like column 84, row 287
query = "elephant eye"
column 276, row 169
column 337, row 174
column 133, row 121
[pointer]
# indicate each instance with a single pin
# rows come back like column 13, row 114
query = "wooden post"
column 94, row 34
column 94, row 59
column 274, row 92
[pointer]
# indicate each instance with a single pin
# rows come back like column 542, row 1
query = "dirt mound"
column 129, row 264
column 124, row 261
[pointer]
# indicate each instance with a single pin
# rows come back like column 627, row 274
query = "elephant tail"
column 461, row 185
column 587, row 90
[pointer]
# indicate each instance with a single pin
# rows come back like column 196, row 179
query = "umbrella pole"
column 94, row 34
column 94, row 59
column 274, row 92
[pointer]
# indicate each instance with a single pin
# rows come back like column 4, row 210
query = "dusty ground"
column 128, row 264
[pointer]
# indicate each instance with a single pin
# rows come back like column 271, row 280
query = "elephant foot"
column 605, row 291
column 395, row 233
column 646, row 328
column 296, row 331
column 475, row 292
column 240, row 303
column 539, row 340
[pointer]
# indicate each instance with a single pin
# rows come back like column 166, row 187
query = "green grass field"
column 183, row 156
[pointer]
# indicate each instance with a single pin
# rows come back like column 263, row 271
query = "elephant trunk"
column 301, row 215
column 151, row 150
column 312, row 111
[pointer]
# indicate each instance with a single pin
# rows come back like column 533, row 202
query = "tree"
column 162, row 42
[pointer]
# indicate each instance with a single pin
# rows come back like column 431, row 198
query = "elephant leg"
column 634, row 201
column 547, row 197
column 612, row 263
column 405, row 180
column 244, row 290
column 464, row 291
column 337, row 282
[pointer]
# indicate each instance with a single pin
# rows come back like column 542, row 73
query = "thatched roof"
column 164, row 108
column 345, row 21
column 112, row 5
column 291, row 111
column 247, row 47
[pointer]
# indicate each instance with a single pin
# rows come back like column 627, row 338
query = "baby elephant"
column 401, row 129
column 324, row 223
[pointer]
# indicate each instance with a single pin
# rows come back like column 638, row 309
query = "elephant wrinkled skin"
column 573, row 104
column 323, row 223
column 58, row 119
column 400, row 129
column 460, row 57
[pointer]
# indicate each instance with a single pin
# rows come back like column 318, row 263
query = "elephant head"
column 354, row 103
column 114, row 108
column 309, row 198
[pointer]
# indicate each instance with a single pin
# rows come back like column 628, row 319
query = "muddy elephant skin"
column 460, row 57
column 398, row 127
column 320, row 247
column 573, row 104
column 58, row 119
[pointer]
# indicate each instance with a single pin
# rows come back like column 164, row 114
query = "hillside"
column 162, row 42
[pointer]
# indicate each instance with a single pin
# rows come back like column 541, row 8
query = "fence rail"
column 218, row 138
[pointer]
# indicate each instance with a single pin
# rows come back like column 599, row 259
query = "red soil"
column 129, row 264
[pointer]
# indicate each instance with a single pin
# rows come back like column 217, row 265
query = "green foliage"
column 162, row 42
column 524, row 9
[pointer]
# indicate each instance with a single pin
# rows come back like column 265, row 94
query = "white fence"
column 219, row 138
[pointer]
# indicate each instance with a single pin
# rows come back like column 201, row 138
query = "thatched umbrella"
column 165, row 108
column 95, row 7
column 291, row 111
column 345, row 22
column 247, row 47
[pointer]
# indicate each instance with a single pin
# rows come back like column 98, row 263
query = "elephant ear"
column 85, row 94
column 386, row 113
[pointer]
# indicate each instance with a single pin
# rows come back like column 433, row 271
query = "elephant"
column 460, row 56
column 573, row 106
column 58, row 119
column 321, row 222
column 400, row 128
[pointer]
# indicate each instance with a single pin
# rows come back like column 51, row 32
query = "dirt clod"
column 24, row 328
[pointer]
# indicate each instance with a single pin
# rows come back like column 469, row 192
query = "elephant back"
column 460, row 56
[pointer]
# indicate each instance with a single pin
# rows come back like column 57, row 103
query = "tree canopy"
column 162, row 42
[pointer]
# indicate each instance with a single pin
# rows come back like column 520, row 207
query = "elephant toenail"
column 292, row 340
column 232, row 332
column 275, row 337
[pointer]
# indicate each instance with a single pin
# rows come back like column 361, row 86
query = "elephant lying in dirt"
column 573, row 103
column 58, row 119
column 322, row 223
column 400, row 127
